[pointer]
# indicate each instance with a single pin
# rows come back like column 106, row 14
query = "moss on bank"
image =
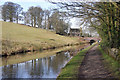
column 111, row 64
column 71, row 69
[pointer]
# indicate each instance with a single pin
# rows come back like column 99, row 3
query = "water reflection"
column 47, row 67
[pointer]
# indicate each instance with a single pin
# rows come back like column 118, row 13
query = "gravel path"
column 92, row 67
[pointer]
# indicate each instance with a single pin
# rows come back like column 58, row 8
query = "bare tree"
column 4, row 15
column 36, row 14
column 47, row 19
column 26, row 18
column 11, row 11
column 19, row 11
column 30, row 11
column 59, row 25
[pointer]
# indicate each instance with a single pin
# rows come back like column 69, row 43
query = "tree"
column 26, row 17
column 11, row 11
column 47, row 19
column 59, row 25
column 30, row 11
column 39, row 14
column 19, row 11
column 103, row 16
column 36, row 16
column 4, row 15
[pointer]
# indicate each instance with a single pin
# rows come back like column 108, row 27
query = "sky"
column 28, row 3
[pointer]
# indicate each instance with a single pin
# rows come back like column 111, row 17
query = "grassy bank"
column 20, row 38
column 111, row 64
column 18, row 58
column 71, row 69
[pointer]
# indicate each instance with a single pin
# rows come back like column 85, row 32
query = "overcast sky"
column 28, row 3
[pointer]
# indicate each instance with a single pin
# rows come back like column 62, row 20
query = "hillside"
column 18, row 38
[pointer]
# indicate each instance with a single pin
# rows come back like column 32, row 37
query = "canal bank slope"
column 17, row 38
column 90, row 64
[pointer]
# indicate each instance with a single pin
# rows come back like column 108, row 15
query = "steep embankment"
column 19, row 38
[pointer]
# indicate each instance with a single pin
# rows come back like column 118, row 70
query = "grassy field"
column 17, row 37
column 71, row 69
column 111, row 64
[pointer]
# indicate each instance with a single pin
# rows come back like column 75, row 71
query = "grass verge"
column 111, row 64
column 71, row 69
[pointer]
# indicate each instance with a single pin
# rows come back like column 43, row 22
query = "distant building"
column 75, row 32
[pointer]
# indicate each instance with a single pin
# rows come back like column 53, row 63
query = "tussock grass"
column 17, row 37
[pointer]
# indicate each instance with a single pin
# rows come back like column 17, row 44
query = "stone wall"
column 114, row 52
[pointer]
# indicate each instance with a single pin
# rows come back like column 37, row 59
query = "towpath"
column 92, row 67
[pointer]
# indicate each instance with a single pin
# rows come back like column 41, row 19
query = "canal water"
column 38, row 66
column 47, row 67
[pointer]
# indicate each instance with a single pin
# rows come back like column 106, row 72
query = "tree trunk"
column 34, row 21
column 11, row 20
column 17, row 17
column 45, row 22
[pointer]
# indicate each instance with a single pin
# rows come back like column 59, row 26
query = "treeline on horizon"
column 36, row 17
